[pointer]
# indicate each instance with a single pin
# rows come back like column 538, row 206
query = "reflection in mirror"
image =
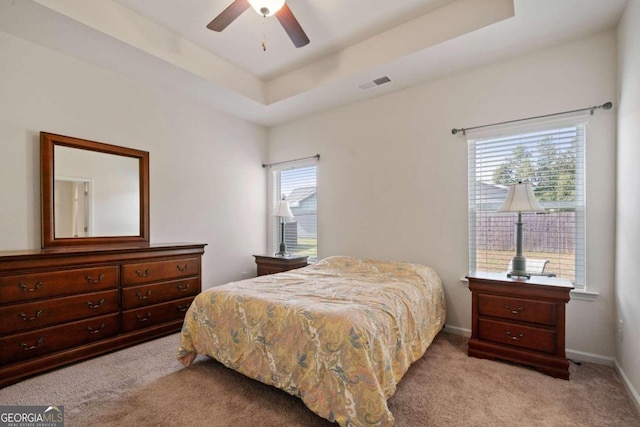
column 96, row 194
column 72, row 209
column 92, row 193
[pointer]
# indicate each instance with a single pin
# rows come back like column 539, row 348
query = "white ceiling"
column 331, row 25
column 165, row 43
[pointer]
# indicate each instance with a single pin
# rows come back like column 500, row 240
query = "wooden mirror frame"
column 47, row 177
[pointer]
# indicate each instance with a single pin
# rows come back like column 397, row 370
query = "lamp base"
column 283, row 250
column 519, row 274
column 519, row 267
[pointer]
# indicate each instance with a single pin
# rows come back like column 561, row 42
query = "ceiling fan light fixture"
column 266, row 7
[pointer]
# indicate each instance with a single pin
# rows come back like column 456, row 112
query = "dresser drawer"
column 15, row 348
column 146, row 272
column 517, row 335
column 155, row 314
column 525, row 310
column 144, row 295
column 33, row 286
column 38, row 314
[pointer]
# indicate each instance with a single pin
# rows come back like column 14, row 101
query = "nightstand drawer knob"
column 515, row 337
column 516, row 311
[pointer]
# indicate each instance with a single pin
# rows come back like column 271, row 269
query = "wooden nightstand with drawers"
column 522, row 321
column 278, row 264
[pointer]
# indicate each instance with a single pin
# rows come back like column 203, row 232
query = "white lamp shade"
column 269, row 6
column 283, row 210
column 521, row 199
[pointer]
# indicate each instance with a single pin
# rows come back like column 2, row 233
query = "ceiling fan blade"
column 228, row 15
column 292, row 26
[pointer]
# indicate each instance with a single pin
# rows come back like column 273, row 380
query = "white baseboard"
column 456, row 330
column 633, row 393
column 583, row 356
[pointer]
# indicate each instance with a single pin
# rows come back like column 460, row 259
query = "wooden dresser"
column 59, row 306
column 278, row 264
column 521, row 321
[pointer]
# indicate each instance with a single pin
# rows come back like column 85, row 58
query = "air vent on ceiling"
column 373, row 83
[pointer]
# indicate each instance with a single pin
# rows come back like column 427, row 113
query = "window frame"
column 273, row 232
column 501, row 131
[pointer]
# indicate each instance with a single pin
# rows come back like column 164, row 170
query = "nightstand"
column 522, row 321
column 278, row 264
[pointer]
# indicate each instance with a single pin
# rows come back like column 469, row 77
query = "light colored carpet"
column 146, row 386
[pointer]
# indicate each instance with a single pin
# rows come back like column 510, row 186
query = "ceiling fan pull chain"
column 264, row 34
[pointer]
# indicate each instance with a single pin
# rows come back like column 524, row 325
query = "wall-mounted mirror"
column 92, row 193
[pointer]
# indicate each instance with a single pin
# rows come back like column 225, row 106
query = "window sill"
column 584, row 295
column 575, row 294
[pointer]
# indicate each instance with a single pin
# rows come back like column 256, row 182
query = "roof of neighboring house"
column 496, row 193
column 299, row 194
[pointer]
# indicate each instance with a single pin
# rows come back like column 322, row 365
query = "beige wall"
column 207, row 183
column 628, row 196
column 392, row 180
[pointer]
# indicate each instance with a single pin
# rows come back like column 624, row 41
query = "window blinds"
column 552, row 159
column 298, row 186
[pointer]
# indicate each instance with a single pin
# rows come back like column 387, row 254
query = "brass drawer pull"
column 143, row 273
column 95, row 331
column 25, row 289
column 27, row 347
column 516, row 311
column 143, row 319
column 183, row 288
column 183, row 308
column 140, row 296
column 91, row 280
column 24, row 317
column 97, row 305
column 186, row 266
column 514, row 337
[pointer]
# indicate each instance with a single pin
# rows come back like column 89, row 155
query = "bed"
column 339, row 334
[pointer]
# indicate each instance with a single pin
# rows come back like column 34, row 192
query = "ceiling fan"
column 264, row 8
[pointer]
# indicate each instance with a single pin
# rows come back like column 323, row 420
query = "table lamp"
column 520, row 199
column 283, row 211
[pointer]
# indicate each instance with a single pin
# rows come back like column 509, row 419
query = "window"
column 551, row 158
column 298, row 186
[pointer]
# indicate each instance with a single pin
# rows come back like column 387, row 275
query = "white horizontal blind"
column 298, row 185
column 553, row 161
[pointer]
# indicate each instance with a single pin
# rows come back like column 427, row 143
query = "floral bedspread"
column 339, row 334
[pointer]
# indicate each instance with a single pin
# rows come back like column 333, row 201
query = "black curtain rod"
column 268, row 165
column 605, row 106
